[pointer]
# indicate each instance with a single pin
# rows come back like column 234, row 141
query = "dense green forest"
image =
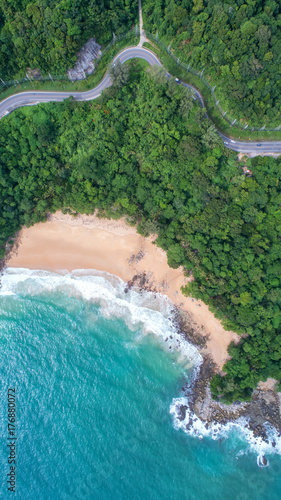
column 145, row 150
column 47, row 34
column 236, row 42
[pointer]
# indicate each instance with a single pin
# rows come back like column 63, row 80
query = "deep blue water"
column 93, row 400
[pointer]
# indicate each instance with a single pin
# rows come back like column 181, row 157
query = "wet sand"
column 65, row 243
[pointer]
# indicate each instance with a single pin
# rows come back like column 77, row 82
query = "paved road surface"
column 32, row 98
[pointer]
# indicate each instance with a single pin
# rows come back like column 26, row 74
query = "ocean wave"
column 148, row 312
column 192, row 425
column 7, row 292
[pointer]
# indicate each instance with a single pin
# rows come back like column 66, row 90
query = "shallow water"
column 96, row 385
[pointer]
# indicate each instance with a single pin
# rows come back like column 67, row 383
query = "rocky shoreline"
column 263, row 409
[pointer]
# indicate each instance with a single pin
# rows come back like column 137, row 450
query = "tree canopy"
column 238, row 43
column 145, row 150
column 47, row 34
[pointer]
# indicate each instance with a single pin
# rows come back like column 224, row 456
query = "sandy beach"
column 65, row 243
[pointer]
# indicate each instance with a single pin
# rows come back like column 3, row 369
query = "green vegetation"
column 214, row 114
column 146, row 150
column 47, row 34
column 237, row 42
column 80, row 85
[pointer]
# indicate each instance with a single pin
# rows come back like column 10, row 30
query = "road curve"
column 33, row 98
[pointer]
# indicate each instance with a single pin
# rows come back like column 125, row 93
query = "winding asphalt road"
column 33, row 98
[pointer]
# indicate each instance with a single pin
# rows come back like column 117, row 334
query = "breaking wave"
column 145, row 312
column 187, row 421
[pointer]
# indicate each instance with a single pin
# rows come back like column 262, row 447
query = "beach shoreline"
column 66, row 243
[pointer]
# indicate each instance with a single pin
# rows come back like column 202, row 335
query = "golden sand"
column 65, row 243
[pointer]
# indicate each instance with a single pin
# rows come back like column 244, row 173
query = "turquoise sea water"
column 96, row 385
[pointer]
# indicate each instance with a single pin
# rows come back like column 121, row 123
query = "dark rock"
column 182, row 412
column 262, row 461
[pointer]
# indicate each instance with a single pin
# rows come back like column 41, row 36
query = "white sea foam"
column 195, row 427
column 147, row 312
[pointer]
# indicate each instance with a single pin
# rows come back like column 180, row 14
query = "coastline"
column 65, row 243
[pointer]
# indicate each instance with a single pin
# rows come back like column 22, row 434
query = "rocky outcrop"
column 85, row 61
column 263, row 409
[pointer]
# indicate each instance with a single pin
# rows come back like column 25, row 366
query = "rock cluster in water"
column 264, row 407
